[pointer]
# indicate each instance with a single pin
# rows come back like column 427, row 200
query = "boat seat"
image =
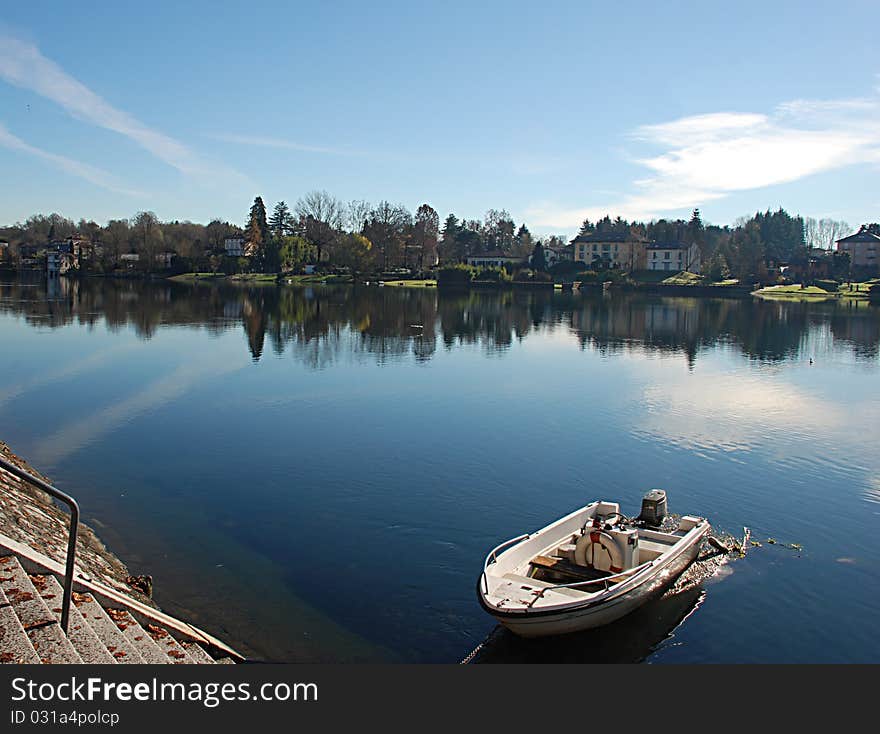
column 649, row 550
column 565, row 567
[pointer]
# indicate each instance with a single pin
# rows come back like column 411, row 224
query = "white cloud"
column 731, row 412
column 265, row 142
column 22, row 65
column 709, row 156
column 94, row 175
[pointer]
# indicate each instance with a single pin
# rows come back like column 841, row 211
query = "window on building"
column 665, row 255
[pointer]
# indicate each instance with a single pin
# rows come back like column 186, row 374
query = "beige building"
column 611, row 249
column 863, row 248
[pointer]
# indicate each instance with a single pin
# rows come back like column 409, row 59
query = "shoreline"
column 778, row 293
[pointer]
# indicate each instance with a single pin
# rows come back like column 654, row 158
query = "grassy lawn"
column 254, row 277
column 683, row 278
column 411, row 283
column 192, row 277
column 667, row 278
column 795, row 293
column 859, row 291
column 315, row 279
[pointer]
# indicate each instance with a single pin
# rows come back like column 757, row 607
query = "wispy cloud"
column 709, row 156
column 280, row 143
column 22, row 65
column 92, row 174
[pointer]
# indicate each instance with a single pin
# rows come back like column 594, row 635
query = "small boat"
column 588, row 568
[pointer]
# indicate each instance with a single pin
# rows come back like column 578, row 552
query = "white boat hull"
column 534, row 608
column 578, row 620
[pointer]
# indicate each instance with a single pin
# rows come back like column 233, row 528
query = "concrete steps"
column 14, row 642
column 80, row 633
column 30, row 630
column 37, row 620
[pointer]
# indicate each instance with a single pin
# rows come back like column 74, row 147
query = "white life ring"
column 585, row 550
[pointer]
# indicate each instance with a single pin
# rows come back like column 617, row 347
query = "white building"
column 165, row 259
column 673, row 256
column 494, row 259
column 234, row 246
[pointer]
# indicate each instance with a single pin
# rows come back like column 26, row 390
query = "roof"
column 609, row 237
column 668, row 246
column 863, row 235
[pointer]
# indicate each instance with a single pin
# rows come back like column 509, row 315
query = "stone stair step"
column 117, row 644
column 38, row 621
column 171, row 647
column 198, row 653
column 15, row 644
column 80, row 633
column 146, row 646
column 20, row 592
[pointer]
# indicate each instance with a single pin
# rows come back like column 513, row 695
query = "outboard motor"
column 653, row 507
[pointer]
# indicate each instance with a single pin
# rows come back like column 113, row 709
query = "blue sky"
column 553, row 111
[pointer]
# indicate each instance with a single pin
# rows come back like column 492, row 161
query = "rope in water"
column 473, row 653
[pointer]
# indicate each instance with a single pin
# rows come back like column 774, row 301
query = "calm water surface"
column 316, row 475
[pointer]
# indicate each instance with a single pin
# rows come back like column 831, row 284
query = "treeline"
column 364, row 238
column 320, row 229
column 371, row 238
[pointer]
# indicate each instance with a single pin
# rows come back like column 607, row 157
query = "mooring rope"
column 473, row 653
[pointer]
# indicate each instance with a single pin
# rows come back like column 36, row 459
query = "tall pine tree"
column 281, row 221
column 257, row 234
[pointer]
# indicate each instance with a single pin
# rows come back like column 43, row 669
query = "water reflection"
column 320, row 325
column 629, row 640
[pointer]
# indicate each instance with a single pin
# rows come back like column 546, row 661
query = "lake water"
column 317, row 474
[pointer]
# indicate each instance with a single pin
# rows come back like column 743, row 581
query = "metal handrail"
column 490, row 558
column 72, row 530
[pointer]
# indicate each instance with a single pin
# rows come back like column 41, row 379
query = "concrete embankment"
column 112, row 619
column 30, row 517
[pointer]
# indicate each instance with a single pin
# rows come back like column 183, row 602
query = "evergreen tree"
column 257, row 217
column 696, row 233
column 522, row 243
column 539, row 260
column 281, row 222
column 449, row 251
column 257, row 235
column 587, row 227
column 747, row 252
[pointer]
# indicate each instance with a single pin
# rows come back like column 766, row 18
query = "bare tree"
column 322, row 217
column 500, row 230
column 117, row 236
column 358, row 213
column 426, row 232
column 148, row 236
column 387, row 229
column 823, row 233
